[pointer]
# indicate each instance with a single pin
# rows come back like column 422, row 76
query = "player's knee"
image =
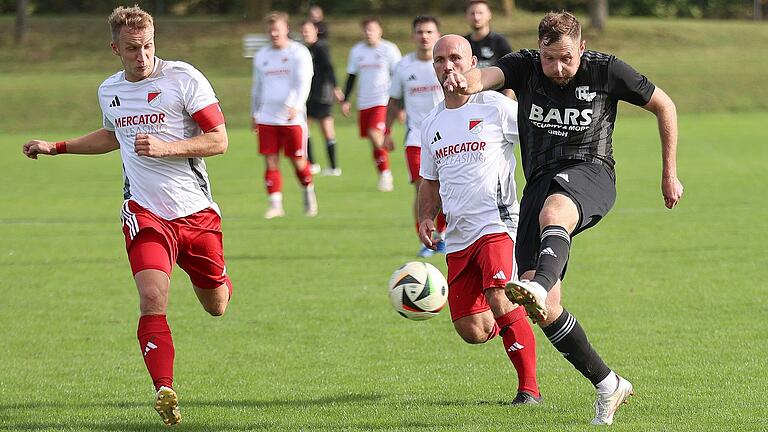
column 473, row 334
column 216, row 309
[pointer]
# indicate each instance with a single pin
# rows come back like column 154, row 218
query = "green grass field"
column 310, row 341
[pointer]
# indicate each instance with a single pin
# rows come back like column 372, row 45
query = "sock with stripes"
column 157, row 347
column 570, row 340
column 553, row 255
column 330, row 145
column 520, row 346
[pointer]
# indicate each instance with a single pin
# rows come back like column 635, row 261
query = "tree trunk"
column 508, row 6
column 598, row 13
column 758, row 10
column 22, row 23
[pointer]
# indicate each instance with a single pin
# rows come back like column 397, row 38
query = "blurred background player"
column 322, row 94
column 282, row 76
column 373, row 60
column 486, row 45
column 316, row 15
column 416, row 88
column 164, row 118
column 468, row 168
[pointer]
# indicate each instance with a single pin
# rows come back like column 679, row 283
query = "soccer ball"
column 418, row 291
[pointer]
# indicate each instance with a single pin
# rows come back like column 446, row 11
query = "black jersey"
column 489, row 50
column 560, row 125
column 324, row 78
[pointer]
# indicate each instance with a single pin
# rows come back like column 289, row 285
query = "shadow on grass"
column 23, row 411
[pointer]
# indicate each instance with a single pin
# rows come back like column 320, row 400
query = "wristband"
column 61, row 147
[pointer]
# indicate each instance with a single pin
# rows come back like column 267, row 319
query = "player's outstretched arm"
column 429, row 206
column 97, row 142
column 474, row 80
column 664, row 108
column 211, row 143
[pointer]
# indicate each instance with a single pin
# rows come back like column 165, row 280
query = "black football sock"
column 570, row 340
column 553, row 255
column 310, row 156
column 330, row 144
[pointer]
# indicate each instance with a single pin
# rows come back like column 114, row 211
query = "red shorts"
column 486, row 263
column 292, row 139
column 372, row 118
column 193, row 242
column 413, row 160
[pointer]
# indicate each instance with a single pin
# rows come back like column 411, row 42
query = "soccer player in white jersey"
column 468, row 169
column 373, row 60
column 415, row 88
column 282, row 77
column 164, row 118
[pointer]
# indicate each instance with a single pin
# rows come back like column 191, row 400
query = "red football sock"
column 440, row 222
column 520, row 345
column 381, row 157
column 229, row 287
column 273, row 181
column 304, row 175
column 157, row 347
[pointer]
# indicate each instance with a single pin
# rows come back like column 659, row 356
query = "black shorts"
column 318, row 110
column 591, row 186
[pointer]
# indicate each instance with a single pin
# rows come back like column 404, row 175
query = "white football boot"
column 314, row 169
column 606, row 405
column 274, row 212
column 310, row 201
column 167, row 405
column 531, row 296
column 386, row 183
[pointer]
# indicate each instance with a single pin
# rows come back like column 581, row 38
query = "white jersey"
column 281, row 79
column 469, row 150
column 415, row 82
column 161, row 105
column 373, row 67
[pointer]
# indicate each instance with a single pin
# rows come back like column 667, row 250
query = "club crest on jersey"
column 583, row 93
column 153, row 98
column 475, row 125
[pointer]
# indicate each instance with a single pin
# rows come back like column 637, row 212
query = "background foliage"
column 658, row 8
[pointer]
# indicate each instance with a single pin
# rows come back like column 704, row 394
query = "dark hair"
column 471, row 3
column 555, row 25
column 421, row 19
column 369, row 20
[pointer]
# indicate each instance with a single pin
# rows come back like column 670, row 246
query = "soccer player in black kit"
column 487, row 46
column 322, row 94
column 567, row 109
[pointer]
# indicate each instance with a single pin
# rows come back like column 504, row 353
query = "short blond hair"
column 133, row 17
column 276, row 16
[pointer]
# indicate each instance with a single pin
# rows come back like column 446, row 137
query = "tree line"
column 657, row 8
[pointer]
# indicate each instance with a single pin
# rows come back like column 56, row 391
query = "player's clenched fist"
column 150, row 146
column 35, row 147
column 455, row 82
